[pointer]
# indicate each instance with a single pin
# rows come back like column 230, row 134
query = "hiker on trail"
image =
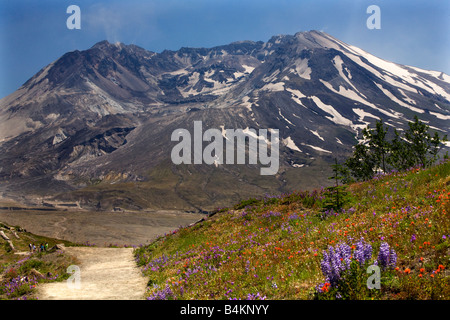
column 46, row 246
column 42, row 247
column 34, row 247
column 31, row 247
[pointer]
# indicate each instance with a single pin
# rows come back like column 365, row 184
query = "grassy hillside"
column 21, row 271
column 282, row 247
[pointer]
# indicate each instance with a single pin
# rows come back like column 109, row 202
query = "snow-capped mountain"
column 95, row 126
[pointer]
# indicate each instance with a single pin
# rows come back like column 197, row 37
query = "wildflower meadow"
column 291, row 246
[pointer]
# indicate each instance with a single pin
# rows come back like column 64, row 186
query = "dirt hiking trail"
column 105, row 274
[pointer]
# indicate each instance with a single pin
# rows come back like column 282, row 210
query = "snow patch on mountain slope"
column 316, row 134
column 59, row 137
column 193, row 79
column 252, row 133
column 348, row 72
column 238, row 74
column 346, row 93
column 440, row 116
column 271, row 77
column 297, row 101
column 434, row 88
column 246, row 103
column 178, row 72
column 336, row 117
column 274, row 87
column 355, row 58
column 406, row 98
column 350, row 94
column 362, row 114
column 404, row 73
column 224, row 132
column 396, row 100
column 281, row 115
column 389, row 68
column 399, row 84
column 325, row 41
column 338, row 63
column 248, row 69
column 398, row 71
column 302, row 69
column 437, row 74
column 316, row 148
column 296, row 95
column 288, row 142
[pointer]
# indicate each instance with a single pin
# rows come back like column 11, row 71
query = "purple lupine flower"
column 392, row 258
column 383, row 255
column 363, row 251
column 335, row 262
column 325, row 264
column 413, row 238
column 386, row 257
column 163, row 294
column 345, row 254
column 367, row 252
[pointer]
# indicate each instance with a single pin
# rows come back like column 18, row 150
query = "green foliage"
column 7, row 247
column 244, row 203
column 34, row 263
column 361, row 164
column 398, row 157
column 423, row 148
column 352, row 286
column 336, row 196
column 415, row 147
column 377, row 144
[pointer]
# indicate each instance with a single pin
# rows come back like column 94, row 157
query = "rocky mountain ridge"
column 94, row 126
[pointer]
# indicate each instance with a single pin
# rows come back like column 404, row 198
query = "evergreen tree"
column 361, row 164
column 415, row 147
column 337, row 195
column 398, row 157
column 422, row 148
column 372, row 155
column 378, row 145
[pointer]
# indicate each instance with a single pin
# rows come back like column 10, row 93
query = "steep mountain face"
column 95, row 126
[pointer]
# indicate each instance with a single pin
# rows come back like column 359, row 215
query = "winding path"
column 105, row 274
column 61, row 229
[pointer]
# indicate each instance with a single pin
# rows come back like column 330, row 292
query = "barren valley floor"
column 99, row 228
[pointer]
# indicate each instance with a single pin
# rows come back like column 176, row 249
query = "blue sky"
column 33, row 33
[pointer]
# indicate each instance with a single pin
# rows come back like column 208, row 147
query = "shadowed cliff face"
column 95, row 126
